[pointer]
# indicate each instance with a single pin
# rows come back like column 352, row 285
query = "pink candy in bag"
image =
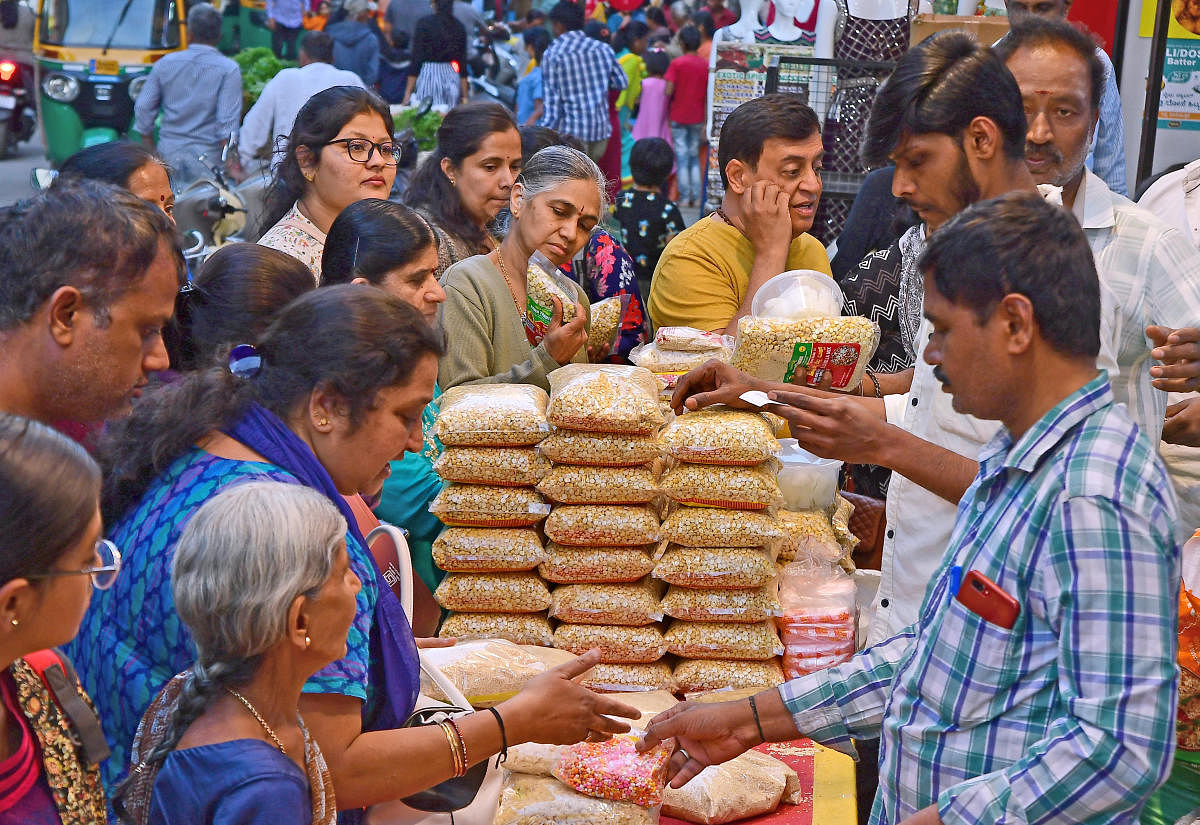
column 615, row 770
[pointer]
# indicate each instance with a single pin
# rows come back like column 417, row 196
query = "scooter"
column 494, row 68
column 211, row 212
column 18, row 112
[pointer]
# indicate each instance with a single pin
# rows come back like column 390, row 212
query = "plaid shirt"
column 577, row 73
column 1153, row 272
column 1069, row 716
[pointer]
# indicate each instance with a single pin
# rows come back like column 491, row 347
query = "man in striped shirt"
column 1067, row 715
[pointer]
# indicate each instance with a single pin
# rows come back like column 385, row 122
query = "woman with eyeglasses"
column 341, row 150
column 51, row 556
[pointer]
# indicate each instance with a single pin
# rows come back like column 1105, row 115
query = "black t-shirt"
column 438, row 39
column 648, row 220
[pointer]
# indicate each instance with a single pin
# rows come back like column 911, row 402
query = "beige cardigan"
column 485, row 339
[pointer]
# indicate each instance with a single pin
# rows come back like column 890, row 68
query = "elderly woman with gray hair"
column 263, row 582
column 556, row 202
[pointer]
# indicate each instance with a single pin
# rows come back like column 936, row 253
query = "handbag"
column 471, row 799
column 867, row 523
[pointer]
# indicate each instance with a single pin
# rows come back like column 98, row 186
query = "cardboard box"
column 987, row 30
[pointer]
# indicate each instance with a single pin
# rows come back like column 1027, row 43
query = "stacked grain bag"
column 605, row 522
column 677, row 350
column 491, row 509
column 719, row 551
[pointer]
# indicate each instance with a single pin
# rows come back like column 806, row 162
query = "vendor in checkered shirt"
column 1067, row 717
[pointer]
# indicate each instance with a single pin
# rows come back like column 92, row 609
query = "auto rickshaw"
column 93, row 59
column 244, row 25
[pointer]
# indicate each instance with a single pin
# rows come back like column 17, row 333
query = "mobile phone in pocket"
column 986, row 599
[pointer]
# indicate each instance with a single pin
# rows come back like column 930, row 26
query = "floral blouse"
column 299, row 237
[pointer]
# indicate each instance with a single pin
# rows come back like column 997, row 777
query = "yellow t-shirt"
column 702, row 276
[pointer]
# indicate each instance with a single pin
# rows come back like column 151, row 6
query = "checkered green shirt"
column 1068, row 717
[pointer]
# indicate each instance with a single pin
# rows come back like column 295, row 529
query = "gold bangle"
column 455, row 757
column 462, row 744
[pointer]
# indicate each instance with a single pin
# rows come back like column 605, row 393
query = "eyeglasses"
column 362, row 150
column 104, row 573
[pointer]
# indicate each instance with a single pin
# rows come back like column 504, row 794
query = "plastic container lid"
column 798, row 294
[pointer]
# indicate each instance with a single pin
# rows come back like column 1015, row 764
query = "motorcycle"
column 494, row 68
column 18, row 109
column 212, row 212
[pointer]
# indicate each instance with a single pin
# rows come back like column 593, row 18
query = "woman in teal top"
column 392, row 247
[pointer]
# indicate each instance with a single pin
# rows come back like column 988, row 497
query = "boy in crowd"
column 648, row 218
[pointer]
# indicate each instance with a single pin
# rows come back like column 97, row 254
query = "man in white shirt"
column 1151, row 267
column 270, row 119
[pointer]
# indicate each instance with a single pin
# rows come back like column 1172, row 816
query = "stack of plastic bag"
column 819, row 617
column 718, row 554
column 491, row 547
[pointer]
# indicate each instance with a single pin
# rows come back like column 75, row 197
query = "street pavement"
column 15, row 170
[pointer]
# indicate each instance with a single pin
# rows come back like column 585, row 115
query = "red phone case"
column 986, row 599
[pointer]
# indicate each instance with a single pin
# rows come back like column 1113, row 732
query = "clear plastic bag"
column 543, row 280
column 487, row 672
column 819, row 617
column 519, row 628
column 807, row 482
column 484, row 550
column 778, row 350
column 808, row 535
column 708, row 527
column 742, row 787
column 606, row 319
column 723, row 640
column 689, row 339
column 533, row 758
column 612, row 398
column 596, row 565
column 493, row 593
column 719, row 435
column 735, row 488
column 543, row 800
column 486, row 505
column 724, row 568
column 614, row 769
column 492, row 415
column 632, row 605
column 656, row 359
column 577, row 484
column 600, row 449
column 694, row 675
column 618, row 644
column 603, row 525
column 623, row 678
column 692, row 605
column 505, row 466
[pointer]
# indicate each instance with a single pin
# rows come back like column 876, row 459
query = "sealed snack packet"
column 505, row 466
column 688, row 339
column 595, row 565
column 656, row 359
column 493, row 593
column 487, row 505
column 486, row 672
column 483, row 550
column 492, row 415
column 519, row 628
column 609, row 677
column 615, row 770
column 722, row 436
column 733, row 488
column 600, row 449
column 543, row 800
column 606, row 322
column 543, row 280
column 577, row 484
column 782, row 350
column 613, row 398
column 722, row 568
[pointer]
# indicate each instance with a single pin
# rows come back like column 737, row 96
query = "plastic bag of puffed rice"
column 614, row 398
column 808, row 534
column 693, row 605
column 606, row 318
column 488, row 550
column 486, row 672
column 719, row 435
column 595, row 565
column 493, row 593
column 603, row 525
column 492, row 415
column 533, row 758
column 689, row 339
column 733, row 790
column 618, row 644
column 724, row 568
column 656, row 359
column 505, row 466
column 578, row 484
column 600, row 449
column 544, row 281
column 487, row 505
column 630, row 678
column 709, row 527
column 780, row 350
column 693, row 675
column 632, row 605
column 735, row 488
column 519, row 628
column 723, row 640
column 543, row 800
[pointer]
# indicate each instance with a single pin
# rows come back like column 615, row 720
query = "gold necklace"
column 511, row 291
column 258, row 716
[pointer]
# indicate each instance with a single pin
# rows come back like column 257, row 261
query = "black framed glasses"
column 103, row 573
column 362, row 150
